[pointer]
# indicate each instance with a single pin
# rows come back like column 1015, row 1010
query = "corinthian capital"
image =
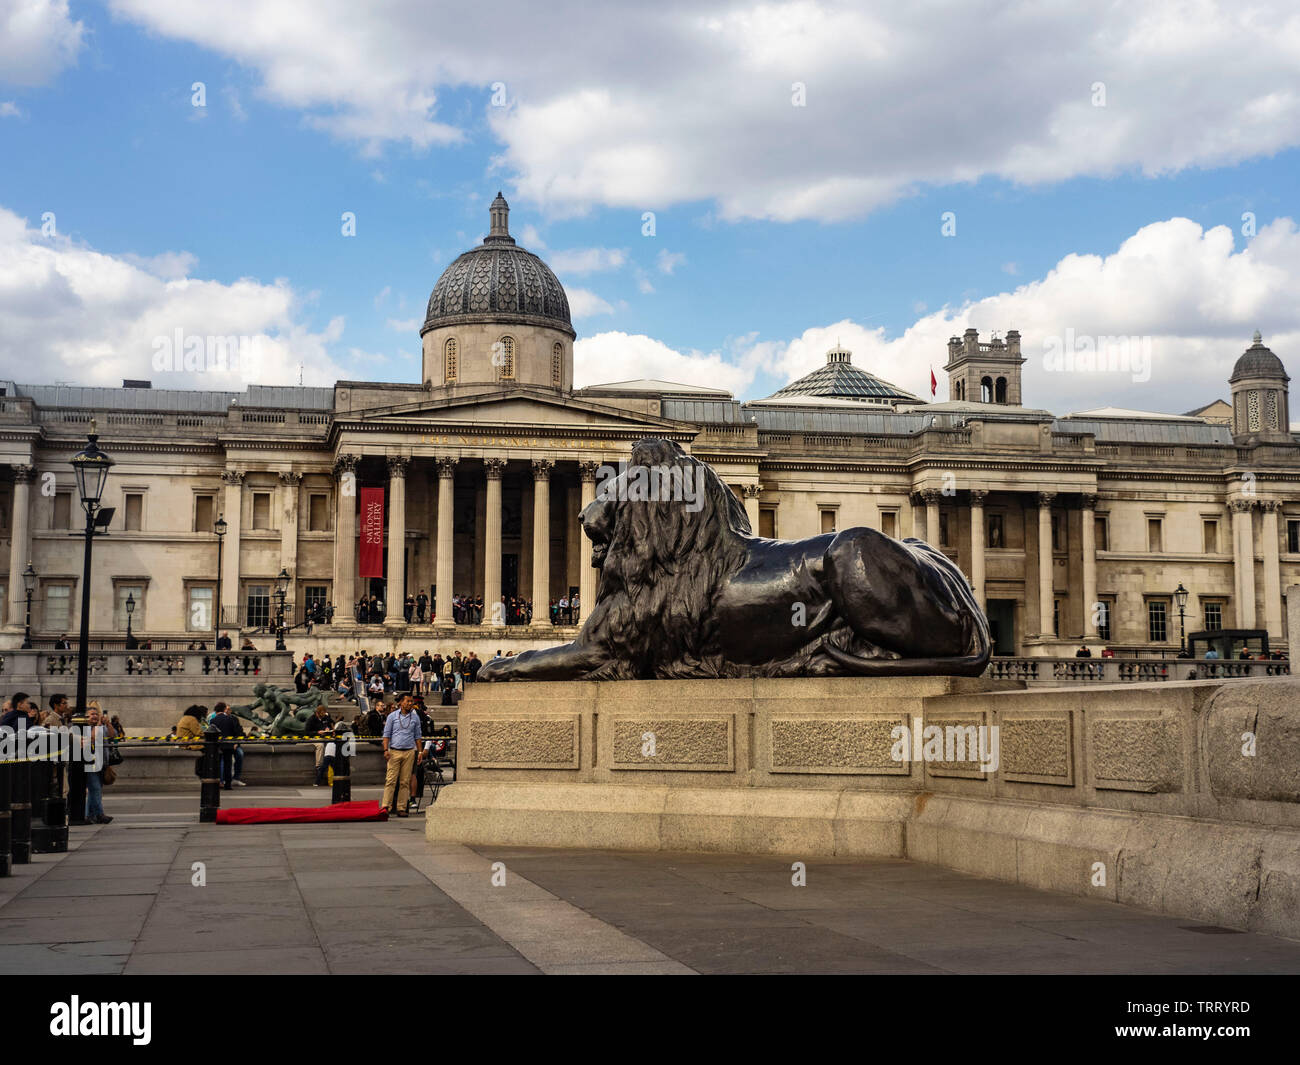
column 542, row 469
column 494, row 467
column 397, row 466
column 24, row 474
column 233, row 477
column 446, row 466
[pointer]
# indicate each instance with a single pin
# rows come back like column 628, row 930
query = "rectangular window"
column 203, row 513
column 120, row 593
column 261, row 510
column 1210, row 536
column 134, row 507
column 1058, row 532
column 62, row 511
column 944, row 539
column 199, row 615
column 1155, row 535
column 1213, row 617
column 828, row 521
column 1293, row 536
column 257, row 613
column 1101, row 526
column 58, row 598
column 1056, row 617
column 1157, row 620
column 889, row 523
column 996, row 531
column 314, row 597
column 1103, row 619
column 767, row 523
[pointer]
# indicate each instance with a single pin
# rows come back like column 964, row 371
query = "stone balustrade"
column 1060, row 672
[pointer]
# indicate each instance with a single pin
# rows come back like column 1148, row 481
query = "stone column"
column 395, row 587
column 586, row 573
column 751, row 493
column 1272, row 570
column 977, row 497
column 1045, row 597
column 1243, row 552
column 542, row 541
column 1089, row 567
column 289, row 483
column 20, row 543
column 233, row 513
column 932, row 497
column 345, row 537
column 492, row 612
column 446, row 535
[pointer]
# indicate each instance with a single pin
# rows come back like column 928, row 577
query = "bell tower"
column 985, row 373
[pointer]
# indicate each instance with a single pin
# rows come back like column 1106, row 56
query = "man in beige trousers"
column 401, row 752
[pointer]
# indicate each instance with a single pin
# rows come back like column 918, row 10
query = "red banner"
column 372, row 532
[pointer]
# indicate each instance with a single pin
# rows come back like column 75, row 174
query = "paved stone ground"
column 379, row 899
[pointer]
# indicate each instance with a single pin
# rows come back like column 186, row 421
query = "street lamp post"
column 281, row 590
column 91, row 467
column 1180, row 594
column 219, row 527
column 29, row 581
column 131, row 642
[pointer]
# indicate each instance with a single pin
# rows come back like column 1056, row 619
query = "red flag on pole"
column 372, row 532
column 934, row 384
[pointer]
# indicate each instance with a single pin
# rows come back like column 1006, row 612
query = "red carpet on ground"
column 293, row 815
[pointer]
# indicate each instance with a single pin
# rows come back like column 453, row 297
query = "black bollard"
column 49, row 809
column 20, row 812
column 6, row 833
column 342, row 790
column 77, row 774
column 210, row 776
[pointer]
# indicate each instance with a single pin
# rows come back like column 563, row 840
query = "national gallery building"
column 1071, row 528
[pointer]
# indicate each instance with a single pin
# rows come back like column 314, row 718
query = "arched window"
column 450, row 369
column 1001, row 391
column 505, row 354
column 986, row 390
column 557, row 365
column 961, row 390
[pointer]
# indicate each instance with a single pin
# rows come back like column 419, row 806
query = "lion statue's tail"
column 953, row 587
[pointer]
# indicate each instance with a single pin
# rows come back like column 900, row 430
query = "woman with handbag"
column 99, row 751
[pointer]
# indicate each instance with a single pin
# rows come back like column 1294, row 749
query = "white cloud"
column 1189, row 290
column 652, row 105
column 585, row 304
column 38, row 40
column 531, row 237
column 9, row 109
column 406, row 325
column 586, row 260
column 668, row 261
column 72, row 313
column 616, row 356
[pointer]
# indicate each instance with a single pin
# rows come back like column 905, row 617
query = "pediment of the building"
column 511, row 411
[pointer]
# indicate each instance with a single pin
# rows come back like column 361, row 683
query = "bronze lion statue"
column 687, row 590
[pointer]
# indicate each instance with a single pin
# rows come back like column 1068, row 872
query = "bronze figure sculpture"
column 687, row 590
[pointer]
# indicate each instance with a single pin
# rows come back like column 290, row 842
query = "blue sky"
column 811, row 223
